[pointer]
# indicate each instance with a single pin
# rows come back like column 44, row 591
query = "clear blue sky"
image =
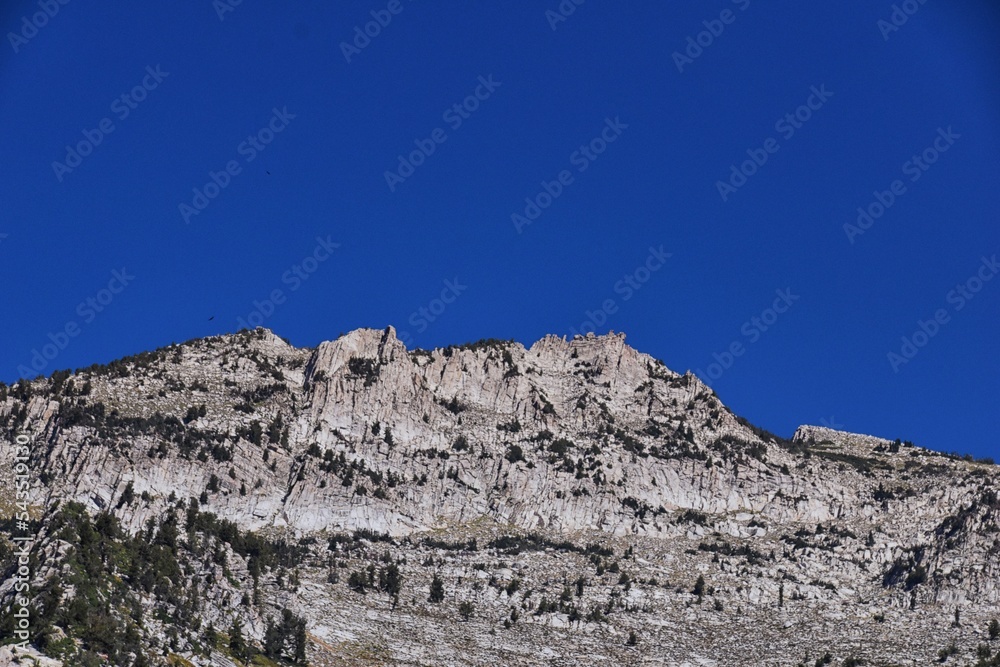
column 634, row 129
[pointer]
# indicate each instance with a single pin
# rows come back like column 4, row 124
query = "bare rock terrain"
column 236, row 500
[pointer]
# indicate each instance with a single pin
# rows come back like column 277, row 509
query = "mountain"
column 236, row 500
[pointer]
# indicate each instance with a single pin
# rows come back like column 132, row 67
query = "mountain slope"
column 278, row 483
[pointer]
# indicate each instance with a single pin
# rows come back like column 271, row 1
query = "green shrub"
column 948, row 651
column 514, row 454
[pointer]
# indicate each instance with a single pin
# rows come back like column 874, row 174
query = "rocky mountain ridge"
column 541, row 452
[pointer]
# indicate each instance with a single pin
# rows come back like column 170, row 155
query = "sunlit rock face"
column 582, row 440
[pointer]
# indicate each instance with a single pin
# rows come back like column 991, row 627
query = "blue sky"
column 691, row 176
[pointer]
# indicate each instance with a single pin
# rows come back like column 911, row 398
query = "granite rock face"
column 830, row 541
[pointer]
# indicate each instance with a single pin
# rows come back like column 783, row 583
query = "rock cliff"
column 599, row 480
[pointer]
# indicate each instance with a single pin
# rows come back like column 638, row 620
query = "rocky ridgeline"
column 830, row 541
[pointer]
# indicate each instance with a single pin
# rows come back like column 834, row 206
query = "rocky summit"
column 235, row 500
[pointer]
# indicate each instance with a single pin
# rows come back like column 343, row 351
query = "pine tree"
column 237, row 644
column 128, row 495
column 299, row 655
column 273, row 642
column 390, row 580
column 437, row 590
column 357, row 581
column 210, row 637
column 274, row 430
column 256, row 431
column 699, row 587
